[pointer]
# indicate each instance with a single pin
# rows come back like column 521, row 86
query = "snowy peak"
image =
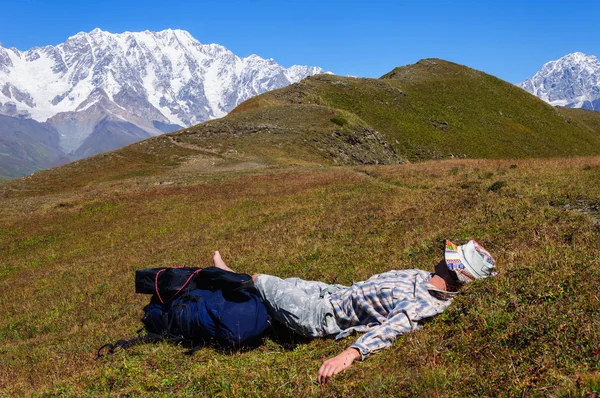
column 579, row 58
column 572, row 81
column 165, row 77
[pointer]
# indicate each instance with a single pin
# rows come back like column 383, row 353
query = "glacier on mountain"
column 152, row 80
column 572, row 81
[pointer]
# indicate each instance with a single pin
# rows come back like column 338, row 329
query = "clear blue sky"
column 510, row 39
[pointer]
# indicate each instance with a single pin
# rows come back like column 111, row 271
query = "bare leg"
column 219, row 263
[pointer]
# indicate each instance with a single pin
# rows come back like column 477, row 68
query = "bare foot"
column 219, row 263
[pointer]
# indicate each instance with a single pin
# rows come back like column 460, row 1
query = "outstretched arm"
column 335, row 365
column 378, row 338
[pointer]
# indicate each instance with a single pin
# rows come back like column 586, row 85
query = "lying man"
column 384, row 306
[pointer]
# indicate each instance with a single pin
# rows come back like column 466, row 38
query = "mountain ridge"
column 84, row 57
column 156, row 81
column 430, row 110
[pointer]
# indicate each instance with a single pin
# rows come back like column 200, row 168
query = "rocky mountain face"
column 146, row 83
column 572, row 81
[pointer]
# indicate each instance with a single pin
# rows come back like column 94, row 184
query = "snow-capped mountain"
column 146, row 82
column 572, row 81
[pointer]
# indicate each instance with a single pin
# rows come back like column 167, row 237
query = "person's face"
column 452, row 283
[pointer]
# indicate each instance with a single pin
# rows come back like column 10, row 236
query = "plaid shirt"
column 385, row 306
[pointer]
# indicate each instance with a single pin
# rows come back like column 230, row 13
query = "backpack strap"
column 148, row 338
column 187, row 282
column 125, row 344
column 156, row 291
column 195, row 349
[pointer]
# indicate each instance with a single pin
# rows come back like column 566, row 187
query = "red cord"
column 187, row 281
column 156, row 286
column 182, row 287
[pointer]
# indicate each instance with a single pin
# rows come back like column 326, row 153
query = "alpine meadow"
column 333, row 179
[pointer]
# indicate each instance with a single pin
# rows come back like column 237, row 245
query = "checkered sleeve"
column 384, row 335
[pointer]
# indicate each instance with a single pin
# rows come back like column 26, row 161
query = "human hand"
column 335, row 365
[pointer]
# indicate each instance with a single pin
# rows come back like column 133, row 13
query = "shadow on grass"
column 276, row 332
column 282, row 335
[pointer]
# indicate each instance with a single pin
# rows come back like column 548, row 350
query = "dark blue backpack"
column 202, row 306
column 230, row 319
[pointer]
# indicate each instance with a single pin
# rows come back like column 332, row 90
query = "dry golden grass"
column 68, row 256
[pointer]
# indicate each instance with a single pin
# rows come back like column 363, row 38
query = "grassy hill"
column 259, row 186
column 437, row 109
column 431, row 110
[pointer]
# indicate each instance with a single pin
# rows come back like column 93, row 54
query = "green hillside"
column 437, row 109
column 584, row 118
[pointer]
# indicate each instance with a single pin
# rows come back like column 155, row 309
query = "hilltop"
column 430, row 110
column 433, row 109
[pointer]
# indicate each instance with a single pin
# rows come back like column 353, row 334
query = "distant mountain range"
column 573, row 81
column 433, row 109
column 99, row 91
